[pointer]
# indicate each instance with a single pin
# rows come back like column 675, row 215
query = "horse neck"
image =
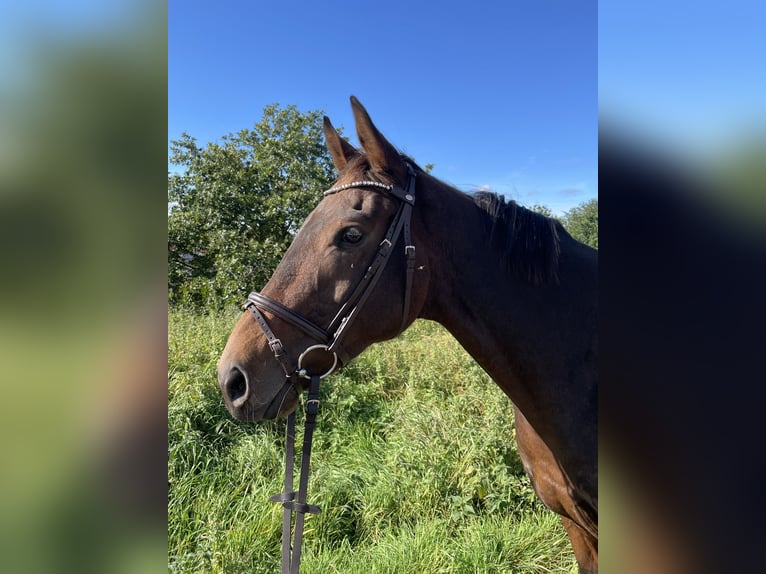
column 532, row 340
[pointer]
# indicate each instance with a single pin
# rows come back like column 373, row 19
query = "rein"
column 328, row 340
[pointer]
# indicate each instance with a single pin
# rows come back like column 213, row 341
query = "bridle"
column 329, row 340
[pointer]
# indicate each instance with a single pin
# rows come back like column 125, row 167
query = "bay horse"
column 512, row 286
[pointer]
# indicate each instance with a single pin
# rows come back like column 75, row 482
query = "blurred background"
column 82, row 296
column 682, row 192
column 83, row 207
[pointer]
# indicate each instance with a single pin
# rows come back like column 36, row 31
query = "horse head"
column 309, row 316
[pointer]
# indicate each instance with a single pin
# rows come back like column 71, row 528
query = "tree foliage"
column 541, row 209
column 235, row 205
column 582, row 222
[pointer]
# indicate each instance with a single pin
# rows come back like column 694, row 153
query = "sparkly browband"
column 358, row 184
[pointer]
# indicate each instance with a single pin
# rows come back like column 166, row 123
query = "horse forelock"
column 528, row 242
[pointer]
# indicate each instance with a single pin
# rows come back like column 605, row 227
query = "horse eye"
column 352, row 235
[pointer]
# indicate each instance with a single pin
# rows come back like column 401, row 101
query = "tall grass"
column 414, row 465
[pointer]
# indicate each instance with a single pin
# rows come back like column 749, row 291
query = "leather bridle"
column 329, row 340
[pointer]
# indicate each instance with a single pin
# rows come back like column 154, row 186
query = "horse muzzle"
column 252, row 401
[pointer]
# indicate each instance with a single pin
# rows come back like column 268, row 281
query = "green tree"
column 541, row 209
column 235, row 205
column 582, row 222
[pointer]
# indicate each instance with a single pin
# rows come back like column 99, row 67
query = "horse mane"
column 528, row 242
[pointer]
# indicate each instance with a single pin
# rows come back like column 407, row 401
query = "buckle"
column 312, row 406
column 409, row 250
column 277, row 348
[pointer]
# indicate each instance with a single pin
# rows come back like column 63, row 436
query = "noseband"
column 328, row 340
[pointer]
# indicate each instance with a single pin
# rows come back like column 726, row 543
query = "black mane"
column 527, row 241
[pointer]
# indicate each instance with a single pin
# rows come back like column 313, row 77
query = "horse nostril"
column 236, row 385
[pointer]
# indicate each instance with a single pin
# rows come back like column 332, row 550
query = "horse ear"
column 340, row 150
column 382, row 155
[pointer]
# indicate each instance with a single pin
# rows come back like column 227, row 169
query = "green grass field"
column 414, row 465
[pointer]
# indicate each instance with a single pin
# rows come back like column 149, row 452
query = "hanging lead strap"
column 292, row 501
column 288, row 494
column 300, row 506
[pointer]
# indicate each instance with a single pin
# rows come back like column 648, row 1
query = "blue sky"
column 496, row 94
column 688, row 76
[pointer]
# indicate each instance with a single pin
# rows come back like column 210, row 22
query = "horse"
column 511, row 285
